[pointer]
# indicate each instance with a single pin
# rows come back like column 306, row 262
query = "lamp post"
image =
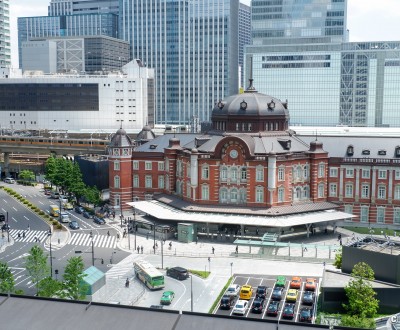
column 231, row 268
column 191, row 293
column 91, row 237
column 51, row 254
column 134, row 224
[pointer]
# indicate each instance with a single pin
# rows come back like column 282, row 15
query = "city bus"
column 149, row 275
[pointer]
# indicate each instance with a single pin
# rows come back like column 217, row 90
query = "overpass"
column 49, row 145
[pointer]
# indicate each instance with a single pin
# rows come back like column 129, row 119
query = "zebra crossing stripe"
column 98, row 240
column 29, row 235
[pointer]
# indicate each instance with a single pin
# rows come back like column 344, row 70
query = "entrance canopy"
column 164, row 212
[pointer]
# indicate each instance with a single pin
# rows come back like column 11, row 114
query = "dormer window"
column 350, row 151
column 271, row 105
column 397, row 152
column 243, row 105
column 365, row 152
column 382, row 152
column 220, row 104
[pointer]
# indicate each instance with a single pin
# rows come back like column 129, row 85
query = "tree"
column 6, row 279
column 92, row 195
column 27, row 175
column 36, row 265
column 338, row 259
column 73, row 285
column 49, row 287
column 361, row 296
column 76, row 185
column 50, row 168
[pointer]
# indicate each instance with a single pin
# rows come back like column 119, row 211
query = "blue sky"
column 368, row 20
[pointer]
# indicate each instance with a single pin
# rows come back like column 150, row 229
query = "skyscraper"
column 73, row 7
column 5, row 50
column 193, row 47
column 244, row 37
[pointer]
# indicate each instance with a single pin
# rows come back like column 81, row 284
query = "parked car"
column 246, row 292
column 308, row 297
column 9, row 180
column 227, row 301
column 54, row 195
column 74, row 225
column 258, row 305
column 277, row 293
column 2, row 217
column 273, row 308
column 292, row 295
column 261, row 292
column 233, row 290
column 86, row 214
column 167, row 297
column 240, row 307
column 295, row 283
column 99, row 221
column 280, row 281
column 311, row 284
column 67, row 206
column 306, row 314
column 79, row 209
column 179, row 273
column 288, row 311
column 47, row 192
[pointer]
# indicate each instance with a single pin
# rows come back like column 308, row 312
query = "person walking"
column 237, row 249
column 108, row 233
column 138, row 249
column 23, row 235
column 141, row 249
column 127, row 283
column 213, row 250
column 170, row 245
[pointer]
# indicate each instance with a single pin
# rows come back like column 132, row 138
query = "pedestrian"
column 213, row 250
column 35, row 238
column 23, row 235
column 257, row 231
column 29, row 227
column 170, row 245
column 305, row 249
column 19, row 235
column 127, row 283
column 340, row 242
column 156, row 245
column 117, row 235
column 141, row 249
column 138, row 249
column 237, row 249
column 108, row 233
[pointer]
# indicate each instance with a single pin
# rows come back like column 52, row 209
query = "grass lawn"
column 376, row 231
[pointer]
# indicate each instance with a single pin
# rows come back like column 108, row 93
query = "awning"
column 162, row 211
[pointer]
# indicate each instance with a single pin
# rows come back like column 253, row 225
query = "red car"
column 311, row 284
column 295, row 283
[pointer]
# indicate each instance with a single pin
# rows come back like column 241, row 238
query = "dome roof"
column 146, row 134
column 121, row 139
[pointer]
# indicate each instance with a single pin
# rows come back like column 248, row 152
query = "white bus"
column 149, row 275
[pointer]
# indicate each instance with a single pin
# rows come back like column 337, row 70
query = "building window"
column 397, row 192
column 205, row 194
column 348, row 209
column 148, row 181
column 161, row 166
column 332, row 190
column 259, row 174
column 364, row 212
column 117, row 200
column 381, row 192
column 281, row 174
column 306, row 192
column 259, row 194
column 349, row 173
column 179, row 168
column 178, row 188
column 243, row 174
column 135, row 164
column 205, row 172
column 167, row 185
column 116, row 165
column 188, row 170
column 365, row 173
column 382, row 174
column 380, row 215
column 321, row 188
column 242, row 195
column 136, row 181
column 333, row 172
column 234, row 174
column 223, row 195
column 281, row 194
column 397, row 174
column 234, row 195
column 188, row 189
column 396, row 216
column 116, row 182
column 298, row 172
column 161, row 181
column 224, row 173
column 321, row 170
column 167, row 164
column 349, row 190
column 306, row 170
column 365, row 191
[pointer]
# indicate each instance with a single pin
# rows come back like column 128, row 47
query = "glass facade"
column 244, row 37
column 73, row 7
column 193, row 47
column 5, row 46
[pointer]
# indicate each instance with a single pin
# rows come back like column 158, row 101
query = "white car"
column 240, row 307
column 233, row 290
column 9, row 180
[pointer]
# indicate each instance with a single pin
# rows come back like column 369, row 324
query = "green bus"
column 149, row 275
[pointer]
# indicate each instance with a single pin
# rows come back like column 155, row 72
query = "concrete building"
column 73, row 7
column 244, row 38
column 5, row 47
column 193, row 47
column 89, row 54
column 79, row 103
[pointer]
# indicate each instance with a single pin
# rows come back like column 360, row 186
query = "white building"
column 78, row 103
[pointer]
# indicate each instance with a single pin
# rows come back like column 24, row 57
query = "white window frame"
column 396, row 216
column 259, row 195
column 259, row 173
column 333, row 172
column 321, row 170
column 365, row 173
column 382, row 174
column 243, row 174
column 281, row 173
column 321, row 190
column 332, row 190
column 161, row 183
column 381, row 192
column 223, row 195
column 148, row 183
column 364, row 213
column 365, row 190
column 205, row 172
column 380, row 215
column 281, row 194
column 117, row 165
column 397, row 174
column 233, row 173
column 148, row 166
column 349, row 172
column 234, row 195
column 205, row 192
column 224, row 173
column 349, row 190
column 136, row 181
column 161, row 166
column 117, row 181
column 305, row 171
column 135, row 165
column 397, row 192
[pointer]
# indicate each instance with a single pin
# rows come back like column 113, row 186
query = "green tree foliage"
column 27, row 175
column 49, row 287
column 50, row 168
column 357, row 322
column 36, row 265
column 338, row 259
column 361, row 296
column 6, row 279
column 63, row 173
column 76, row 185
column 92, row 195
column 73, row 286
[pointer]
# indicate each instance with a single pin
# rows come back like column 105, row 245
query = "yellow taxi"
column 246, row 292
column 292, row 295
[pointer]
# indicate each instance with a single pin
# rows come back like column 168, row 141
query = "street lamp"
column 191, row 293
column 91, row 237
column 51, row 254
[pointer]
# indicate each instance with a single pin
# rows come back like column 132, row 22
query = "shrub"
column 59, row 226
column 357, row 322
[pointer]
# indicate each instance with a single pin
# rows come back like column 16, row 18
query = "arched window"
column 205, row 192
column 259, row 194
column 299, row 172
column 242, row 195
column 223, row 195
column 224, row 173
column 234, row 195
column 178, row 187
column 321, row 190
column 116, row 181
column 233, row 173
column 205, row 172
column 281, row 194
column 297, row 194
column 243, row 174
column 306, row 192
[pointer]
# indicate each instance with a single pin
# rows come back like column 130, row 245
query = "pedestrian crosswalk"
column 104, row 241
column 23, row 235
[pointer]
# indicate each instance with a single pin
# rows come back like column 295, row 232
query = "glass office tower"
column 193, row 47
column 5, row 48
column 74, row 7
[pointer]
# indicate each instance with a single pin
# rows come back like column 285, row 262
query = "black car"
column 74, row 225
column 86, row 214
column 306, row 314
column 308, row 297
column 179, row 273
column 273, row 308
column 2, row 217
column 79, row 209
column 258, row 305
column 227, row 301
column 261, row 292
column 5, row 227
column 288, row 311
column 99, row 221
column 277, row 293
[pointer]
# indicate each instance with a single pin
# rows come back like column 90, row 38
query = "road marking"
column 15, row 208
column 41, row 202
column 5, row 202
column 14, row 219
column 26, row 217
column 19, row 257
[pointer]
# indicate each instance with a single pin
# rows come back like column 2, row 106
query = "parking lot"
column 269, row 282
